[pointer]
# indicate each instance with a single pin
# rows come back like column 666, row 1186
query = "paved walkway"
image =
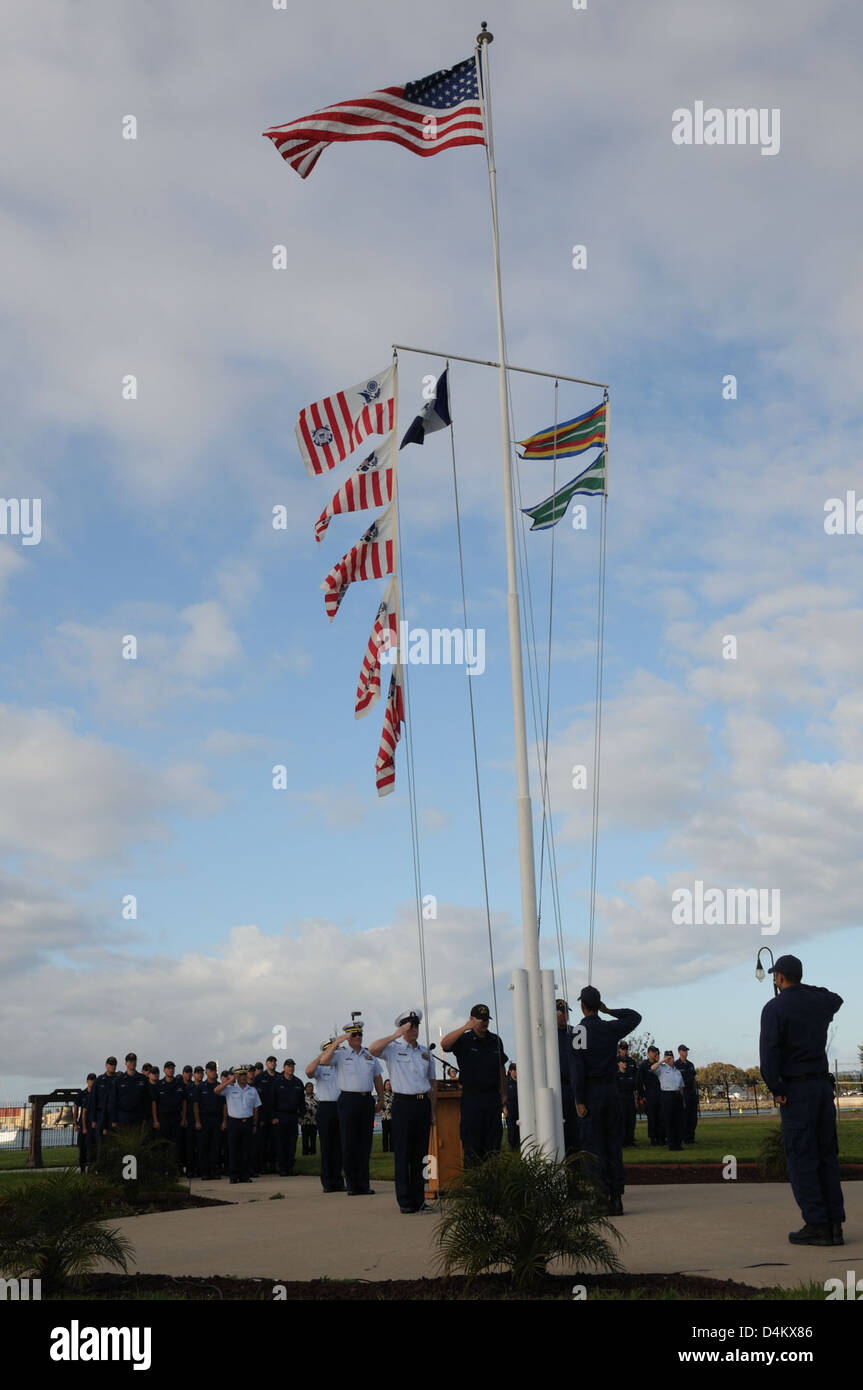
column 726, row 1231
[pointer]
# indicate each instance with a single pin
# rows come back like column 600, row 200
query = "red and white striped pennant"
column 329, row 430
column 370, row 486
column 385, row 635
column 371, row 558
column 394, row 718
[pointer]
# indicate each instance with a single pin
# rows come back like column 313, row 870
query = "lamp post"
column 759, row 968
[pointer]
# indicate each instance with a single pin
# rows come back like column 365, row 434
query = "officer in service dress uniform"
column 327, row 1082
column 411, row 1069
column 481, row 1061
column 357, row 1072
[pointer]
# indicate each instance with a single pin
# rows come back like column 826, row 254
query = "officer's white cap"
column 406, row 1014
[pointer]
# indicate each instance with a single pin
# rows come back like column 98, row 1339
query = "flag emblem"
column 371, row 392
column 322, row 436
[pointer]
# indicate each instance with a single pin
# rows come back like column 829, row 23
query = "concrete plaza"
column 721, row 1230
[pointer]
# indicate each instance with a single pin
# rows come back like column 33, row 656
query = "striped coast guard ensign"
column 371, row 558
column 385, row 635
column 432, row 114
column 370, row 486
column 385, row 765
column 330, row 429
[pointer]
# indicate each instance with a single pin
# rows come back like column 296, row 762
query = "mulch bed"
column 487, row 1287
column 639, row 1173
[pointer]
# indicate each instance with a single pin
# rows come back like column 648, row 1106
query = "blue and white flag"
column 433, row 416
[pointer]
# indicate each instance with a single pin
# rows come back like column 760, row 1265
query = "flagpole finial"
column 485, row 36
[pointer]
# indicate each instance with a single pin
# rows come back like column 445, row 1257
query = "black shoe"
column 282, row 1173
column 409, row 1211
column 235, row 1179
column 811, row 1234
column 836, row 1233
column 244, row 1179
column 615, row 1205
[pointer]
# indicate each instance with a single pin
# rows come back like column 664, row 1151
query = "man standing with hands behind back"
column 793, row 1048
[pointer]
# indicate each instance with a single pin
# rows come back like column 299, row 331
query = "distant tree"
column 639, row 1044
column 754, row 1079
column 716, row 1074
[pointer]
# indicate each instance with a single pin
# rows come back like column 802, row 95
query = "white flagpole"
column 531, row 1055
column 597, row 711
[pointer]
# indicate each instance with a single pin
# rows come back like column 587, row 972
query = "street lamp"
column 759, row 968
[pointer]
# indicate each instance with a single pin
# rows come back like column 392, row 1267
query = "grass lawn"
column 716, row 1138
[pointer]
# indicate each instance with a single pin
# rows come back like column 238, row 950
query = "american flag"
column 384, row 636
column 435, row 113
column 371, row 558
column 370, row 486
column 329, row 430
column 385, row 766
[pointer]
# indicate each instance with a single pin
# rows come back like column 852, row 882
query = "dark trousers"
column 189, row 1143
column 169, row 1128
column 512, row 1132
column 240, row 1147
column 602, row 1135
column 627, row 1112
column 812, row 1150
column 386, row 1135
column 570, row 1121
column 86, row 1148
column 356, row 1125
column 411, row 1124
column 480, row 1126
column 286, row 1141
column 268, row 1137
column 209, row 1137
column 331, row 1146
column 310, row 1134
column 655, row 1127
column 690, row 1115
column 672, row 1118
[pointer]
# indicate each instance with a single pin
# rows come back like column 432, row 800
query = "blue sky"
column 256, row 907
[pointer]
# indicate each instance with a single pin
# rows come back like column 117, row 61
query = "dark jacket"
column 793, row 1038
column 595, row 1063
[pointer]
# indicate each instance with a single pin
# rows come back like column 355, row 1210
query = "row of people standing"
column 191, row 1112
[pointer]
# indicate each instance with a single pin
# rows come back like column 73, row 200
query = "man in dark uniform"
column 84, row 1122
column 189, row 1140
column 793, row 1048
column 170, row 1114
column 265, row 1085
column 512, row 1106
column 594, row 1083
column 690, row 1094
column 481, row 1062
column 648, row 1088
column 289, row 1107
column 209, row 1116
column 564, row 1047
column 132, row 1094
column 105, row 1102
column 626, row 1071
column 152, row 1075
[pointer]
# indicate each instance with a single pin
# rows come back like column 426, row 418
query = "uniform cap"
column 561, row 1004
column 199, row 1071
column 131, row 1057
column 590, row 996
column 110, row 1061
column 241, row 1071
column 91, row 1076
column 787, row 965
column 289, row 1062
column 187, row 1071
column 356, row 1025
column 325, row 1044
column 480, row 1011
column 171, row 1064
column 623, row 1046
column 408, row 1016
column 211, row 1066
column 681, row 1047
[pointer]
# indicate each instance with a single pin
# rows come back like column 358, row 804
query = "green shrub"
column 521, row 1211
column 155, row 1164
column 49, row 1229
column 771, row 1155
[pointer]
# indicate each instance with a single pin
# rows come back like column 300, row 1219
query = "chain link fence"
column 16, row 1119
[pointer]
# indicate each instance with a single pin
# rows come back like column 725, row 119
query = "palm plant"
column 49, row 1230
column 771, row 1155
column 154, row 1163
column 519, row 1211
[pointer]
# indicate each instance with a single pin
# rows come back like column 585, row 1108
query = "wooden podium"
column 445, row 1143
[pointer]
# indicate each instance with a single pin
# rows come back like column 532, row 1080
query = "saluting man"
column 481, row 1060
column 327, row 1082
column 411, row 1069
column 243, row 1102
column 357, row 1072
column 594, row 1083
